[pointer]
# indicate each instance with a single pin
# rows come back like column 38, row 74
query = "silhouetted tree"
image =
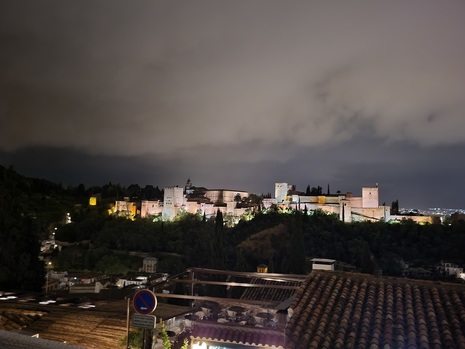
column 241, row 262
column 316, row 191
column 367, row 263
column 255, row 199
column 148, row 192
column 308, row 191
column 134, row 191
column 296, row 247
column 218, row 248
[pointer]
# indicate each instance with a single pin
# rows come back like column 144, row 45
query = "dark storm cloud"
column 261, row 86
column 71, row 167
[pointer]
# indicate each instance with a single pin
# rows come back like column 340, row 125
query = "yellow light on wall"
column 92, row 201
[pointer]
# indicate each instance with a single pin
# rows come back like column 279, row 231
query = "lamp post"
column 48, row 267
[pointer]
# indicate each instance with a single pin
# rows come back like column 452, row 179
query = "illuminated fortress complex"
column 235, row 203
column 346, row 206
column 190, row 199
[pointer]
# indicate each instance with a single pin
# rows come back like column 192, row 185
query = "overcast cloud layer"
column 241, row 93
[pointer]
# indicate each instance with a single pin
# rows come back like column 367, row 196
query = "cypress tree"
column 218, row 249
column 296, row 247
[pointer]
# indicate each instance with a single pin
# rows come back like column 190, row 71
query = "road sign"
column 144, row 321
column 144, row 302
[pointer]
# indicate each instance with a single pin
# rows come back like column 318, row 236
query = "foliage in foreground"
column 136, row 339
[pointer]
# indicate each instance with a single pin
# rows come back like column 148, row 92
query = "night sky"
column 238, row 94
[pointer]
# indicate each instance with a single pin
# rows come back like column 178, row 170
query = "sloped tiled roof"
column 15, row 320
column 101, row 327
column 270, row 294
column 344, row 310
column 238, row 334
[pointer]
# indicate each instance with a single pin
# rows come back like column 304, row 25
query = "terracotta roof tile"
column 344, row 310
column 237, row 334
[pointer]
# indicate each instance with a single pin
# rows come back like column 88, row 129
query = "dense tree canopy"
column 20, row 267
column 282, row 241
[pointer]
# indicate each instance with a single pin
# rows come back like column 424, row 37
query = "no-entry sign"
column 144, row 302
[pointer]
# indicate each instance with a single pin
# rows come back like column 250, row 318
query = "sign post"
column 127, row 323
column 144, row 303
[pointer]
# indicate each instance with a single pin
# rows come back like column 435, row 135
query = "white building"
column 173, row 201
column 370, row 197
column 128, row 281
column 149, row 265
column 151, row 208
column 450, row 269
column 224, row 196
column 203, row 201
column 280, row 191
column 125, row 208
column 346, row 206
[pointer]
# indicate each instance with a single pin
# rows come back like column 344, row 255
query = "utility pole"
column 127, row 322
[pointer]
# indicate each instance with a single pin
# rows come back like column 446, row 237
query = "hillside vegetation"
column 31, row 208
